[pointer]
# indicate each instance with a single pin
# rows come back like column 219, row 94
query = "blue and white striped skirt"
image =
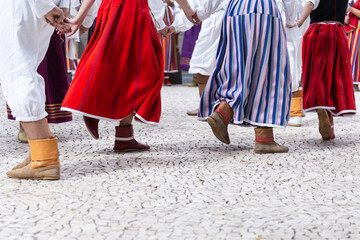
column 252, row 71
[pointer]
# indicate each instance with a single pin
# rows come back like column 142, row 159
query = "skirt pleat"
column 252, row 72
column 121, row 71
column 327, row 77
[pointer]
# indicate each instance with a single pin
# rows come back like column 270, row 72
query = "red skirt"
column 121, row 71
column 327, row 77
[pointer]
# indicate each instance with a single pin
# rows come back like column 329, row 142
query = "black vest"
column 330, row 10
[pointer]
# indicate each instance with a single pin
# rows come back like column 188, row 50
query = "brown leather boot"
column 193, row 112
column 92, row 126
column 264, row 142
column 326, row 124
column 202, row 81
column 219, row 121
column 44, row 164
column 125, row 141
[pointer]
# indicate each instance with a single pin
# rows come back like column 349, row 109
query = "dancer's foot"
column 264, row 142
column 125, row 141
column 167, row 81
column 44, row 163
column 92, row 126
column 326, row 124
column 22, row 137
column 193, row 83
column 219, row 122
column 295, row 122
column 193, row 112
column 24, row 163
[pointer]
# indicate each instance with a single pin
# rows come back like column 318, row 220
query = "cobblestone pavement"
column 189, row 186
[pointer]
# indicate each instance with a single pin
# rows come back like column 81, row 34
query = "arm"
column 65, row 6
column 75, row 23
column 308, row 8
column 189, row 12
column 354, row 11
column 91, row 15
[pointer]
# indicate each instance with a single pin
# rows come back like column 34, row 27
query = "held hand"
column 192, row 16
column 172, row 30
column 63, row 28
column 164, row 32
column 55, row 16
column 74, row 26
column 170, row 3
column 196, row 18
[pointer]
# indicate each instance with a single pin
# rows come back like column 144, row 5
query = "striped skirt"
column 354, row 40
column 169, row 46
column 252, row 72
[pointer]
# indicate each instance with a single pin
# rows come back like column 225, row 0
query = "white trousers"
column 23, row 45
column 204, row 55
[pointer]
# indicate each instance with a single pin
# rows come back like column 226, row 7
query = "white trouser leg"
column 204, row 56
column 23, row 45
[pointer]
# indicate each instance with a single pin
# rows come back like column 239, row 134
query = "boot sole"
column 38, row 178
column 132, row 150
column 324, row 124
column 216, row 129
column 268, row 151
column 295, row 125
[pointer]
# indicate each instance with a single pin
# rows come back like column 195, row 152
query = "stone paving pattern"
column 189, row 186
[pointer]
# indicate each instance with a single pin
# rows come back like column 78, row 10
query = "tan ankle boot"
column 24, row 163
column 264, row 142
column 44, row 161
column 219, row 121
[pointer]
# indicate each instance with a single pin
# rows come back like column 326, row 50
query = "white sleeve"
column 208, row 8
column 290, row 12
column 181, row 23
column 42, row 7
column 64, row 4
column 315, row 2
column 90, row 17
column 157, row 9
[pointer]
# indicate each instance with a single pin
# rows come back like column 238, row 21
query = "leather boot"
column 264, row 142
column 24, row 163
column 92, row 126
column 202, row 81
column 125, row 141
column 22, row 137
column 219, row 121
column 44, row 163
column 28, row 158
column 193, row 112
column 326, row 124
